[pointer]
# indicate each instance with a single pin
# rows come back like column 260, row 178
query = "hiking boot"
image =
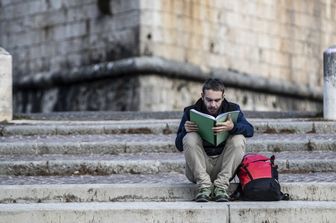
column 220, row 195
column 203, row 194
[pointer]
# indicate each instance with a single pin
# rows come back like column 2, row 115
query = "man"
column 208, row 166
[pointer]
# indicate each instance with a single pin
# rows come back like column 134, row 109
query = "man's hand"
column 190, row 126
column 224, row 126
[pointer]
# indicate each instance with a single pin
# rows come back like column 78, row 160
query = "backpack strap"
column 284, row 196
column 248, row 173
column 237, row 194
column 236, row 172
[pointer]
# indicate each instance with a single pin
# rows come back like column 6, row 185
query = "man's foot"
column 203, row 194
column 220, row 195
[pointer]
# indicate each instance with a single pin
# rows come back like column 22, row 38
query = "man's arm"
column 181, row 132
column 185, row 127
column 242, row 127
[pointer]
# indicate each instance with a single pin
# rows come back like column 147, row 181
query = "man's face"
column 212, row 101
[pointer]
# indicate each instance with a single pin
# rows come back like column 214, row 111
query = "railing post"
column 6, row 95
column 329, row 88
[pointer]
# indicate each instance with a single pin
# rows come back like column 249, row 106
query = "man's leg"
column 197, row 164
column 228, row 162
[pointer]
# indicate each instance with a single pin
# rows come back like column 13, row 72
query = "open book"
column 206, row 122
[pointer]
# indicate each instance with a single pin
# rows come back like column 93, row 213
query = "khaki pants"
column 206, row 171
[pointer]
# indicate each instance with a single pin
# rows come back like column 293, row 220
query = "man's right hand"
column 190, row 126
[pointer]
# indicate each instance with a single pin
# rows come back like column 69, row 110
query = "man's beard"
column 212, row 110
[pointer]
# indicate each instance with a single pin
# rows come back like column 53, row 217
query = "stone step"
column 167, row 178
column 166, row 126
column 89, row 127
column 157, row 187
column 140, row 143
column 142, row 192
column 293, row 162
column 283, row 211
column 145, row 115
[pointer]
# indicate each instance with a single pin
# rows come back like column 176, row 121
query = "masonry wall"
column 162, row 93
column 50, row 35
column 282, row 39
column 275, row 39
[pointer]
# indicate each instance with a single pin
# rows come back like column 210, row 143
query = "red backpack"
column 258, row 176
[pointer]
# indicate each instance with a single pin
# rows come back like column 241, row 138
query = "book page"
column 205, row 125
column 223, row 117
column 203, row 114
column 220, row 137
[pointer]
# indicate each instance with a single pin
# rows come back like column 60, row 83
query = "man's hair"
column 214, row 84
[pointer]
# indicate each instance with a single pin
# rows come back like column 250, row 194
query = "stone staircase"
column 69, row 170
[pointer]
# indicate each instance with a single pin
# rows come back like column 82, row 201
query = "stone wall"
column 273, row 39
column 174, row 94
column 146, row 93
column 282, row 39
column 49, row 35
column 115, row 94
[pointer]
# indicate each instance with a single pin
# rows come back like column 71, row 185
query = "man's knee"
column 238, row 141
column 191, row 139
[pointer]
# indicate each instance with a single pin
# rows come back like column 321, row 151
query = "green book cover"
column 206, row 122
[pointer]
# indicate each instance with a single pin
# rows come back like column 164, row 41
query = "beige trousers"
column 206, row 171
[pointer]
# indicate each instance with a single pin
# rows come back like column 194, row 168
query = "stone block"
column 329, row 91
column 6, row 108
column 141, row 212
column 296, row 211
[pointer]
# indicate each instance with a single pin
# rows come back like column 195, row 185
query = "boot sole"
column 202, row 199
column 221, row 199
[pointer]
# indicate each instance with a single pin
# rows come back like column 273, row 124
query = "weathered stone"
column 171, row 212
column 104, row 212
column 98, row 170
column 147, row 191
column 329, row 88
column 294, row 211
column 149, row 163
column 213, row 35
column 6, row 110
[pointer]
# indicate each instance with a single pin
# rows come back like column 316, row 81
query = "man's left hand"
column 224, row 126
